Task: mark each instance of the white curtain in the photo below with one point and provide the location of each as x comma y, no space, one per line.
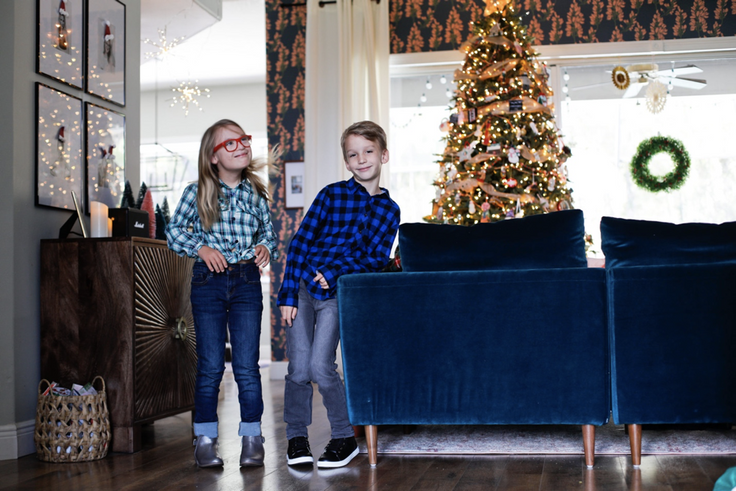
322,130
364,51
347,80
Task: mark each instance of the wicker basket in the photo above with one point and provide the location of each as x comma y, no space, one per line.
72,428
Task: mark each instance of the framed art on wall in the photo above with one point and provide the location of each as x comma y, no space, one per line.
105,155
106,50
59,169
294,184
59,39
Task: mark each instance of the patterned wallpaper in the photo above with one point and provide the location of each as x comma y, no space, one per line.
435,25
285,46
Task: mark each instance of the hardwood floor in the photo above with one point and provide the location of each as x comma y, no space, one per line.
166,462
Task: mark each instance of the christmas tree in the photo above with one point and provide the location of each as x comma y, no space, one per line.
141,196
127,201
147,205
503,156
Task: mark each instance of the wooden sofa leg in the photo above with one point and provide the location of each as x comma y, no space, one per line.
371,437
635,442
589,444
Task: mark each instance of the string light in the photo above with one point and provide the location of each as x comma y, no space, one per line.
164,46
188,93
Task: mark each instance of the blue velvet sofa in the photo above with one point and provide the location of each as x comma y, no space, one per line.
672,320
498,323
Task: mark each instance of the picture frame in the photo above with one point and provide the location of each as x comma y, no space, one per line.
60,39
106,50
59,165
77,215
293,185
105,155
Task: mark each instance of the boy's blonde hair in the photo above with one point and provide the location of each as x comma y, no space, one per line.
208,187
368,130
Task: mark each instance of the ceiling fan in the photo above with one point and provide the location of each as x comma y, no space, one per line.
634,77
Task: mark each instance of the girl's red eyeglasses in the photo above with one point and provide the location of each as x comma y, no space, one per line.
232,144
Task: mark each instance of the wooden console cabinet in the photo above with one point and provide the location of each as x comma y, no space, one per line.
119,308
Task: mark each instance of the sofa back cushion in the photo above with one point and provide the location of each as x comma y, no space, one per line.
648,243
552,240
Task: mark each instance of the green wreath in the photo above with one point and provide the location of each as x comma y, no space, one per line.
640,164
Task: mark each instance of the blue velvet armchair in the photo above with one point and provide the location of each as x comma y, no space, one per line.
672,319
499,323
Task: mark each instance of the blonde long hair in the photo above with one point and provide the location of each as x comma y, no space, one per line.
208,188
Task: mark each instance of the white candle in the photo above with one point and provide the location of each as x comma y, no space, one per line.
98,219
109,227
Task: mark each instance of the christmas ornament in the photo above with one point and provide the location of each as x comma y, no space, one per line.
465,153
656,96
513,156
551,184
620,78
640,164
485,215
511,182
471,207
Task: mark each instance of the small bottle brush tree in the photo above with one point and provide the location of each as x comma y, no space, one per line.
503,156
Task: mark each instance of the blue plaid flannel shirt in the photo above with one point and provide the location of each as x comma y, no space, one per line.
346,230
245,222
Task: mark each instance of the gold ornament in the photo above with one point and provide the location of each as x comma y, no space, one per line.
620,78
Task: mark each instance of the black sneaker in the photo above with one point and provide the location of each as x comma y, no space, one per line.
299,452
338,453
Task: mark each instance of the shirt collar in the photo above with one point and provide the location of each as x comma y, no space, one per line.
354,186
243,184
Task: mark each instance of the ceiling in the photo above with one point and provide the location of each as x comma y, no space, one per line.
213,52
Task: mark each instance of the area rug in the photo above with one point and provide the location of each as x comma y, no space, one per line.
542,439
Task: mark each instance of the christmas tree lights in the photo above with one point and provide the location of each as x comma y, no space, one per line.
503,156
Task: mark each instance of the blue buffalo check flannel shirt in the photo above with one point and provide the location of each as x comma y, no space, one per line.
346,230
245,222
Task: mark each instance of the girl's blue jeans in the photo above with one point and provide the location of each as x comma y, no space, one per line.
231,300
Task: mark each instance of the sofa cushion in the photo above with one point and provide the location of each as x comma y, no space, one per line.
553,240
647,243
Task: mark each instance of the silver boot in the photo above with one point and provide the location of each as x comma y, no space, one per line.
252,453
205,452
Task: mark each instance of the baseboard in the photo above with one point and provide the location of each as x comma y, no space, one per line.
16,440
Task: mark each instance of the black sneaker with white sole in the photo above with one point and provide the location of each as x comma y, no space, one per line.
299,452
338,453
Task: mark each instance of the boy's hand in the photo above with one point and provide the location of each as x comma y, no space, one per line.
213,258
288,313
263,257
321,280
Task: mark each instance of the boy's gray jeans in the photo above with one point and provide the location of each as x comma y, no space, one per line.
311,345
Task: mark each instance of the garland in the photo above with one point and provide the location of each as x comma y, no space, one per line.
640,164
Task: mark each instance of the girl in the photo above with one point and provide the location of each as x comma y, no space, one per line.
223,220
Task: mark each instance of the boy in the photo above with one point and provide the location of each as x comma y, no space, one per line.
349,228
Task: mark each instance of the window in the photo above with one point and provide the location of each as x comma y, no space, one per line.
602,128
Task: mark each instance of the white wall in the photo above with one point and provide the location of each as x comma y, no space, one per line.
23,224
243,103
